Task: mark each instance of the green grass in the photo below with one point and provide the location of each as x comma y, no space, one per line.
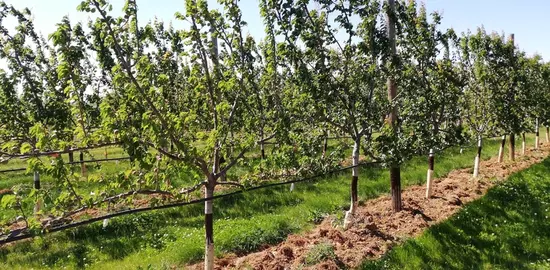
8,180
319,253
25,180
509,228
243,223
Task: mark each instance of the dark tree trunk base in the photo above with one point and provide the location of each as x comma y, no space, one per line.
36,180
395,178
354,180
431,162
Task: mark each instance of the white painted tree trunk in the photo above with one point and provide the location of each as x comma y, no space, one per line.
209,230
429,180
478,157
548,134
292,187
349,219
461,150
501,149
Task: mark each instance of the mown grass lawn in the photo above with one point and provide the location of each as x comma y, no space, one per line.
509,228
243,223
8,180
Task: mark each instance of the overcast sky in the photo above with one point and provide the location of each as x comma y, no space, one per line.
527,19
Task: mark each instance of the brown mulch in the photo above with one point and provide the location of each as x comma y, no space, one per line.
377,228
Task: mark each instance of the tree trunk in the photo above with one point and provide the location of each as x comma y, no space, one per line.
501,149
218,167
209,226
38,203
395,176
349,219
82,165
36,180
262,144
478,157
548,134
105,153
325,144
71,157
512,146
395,171
537,140
429,181
523,144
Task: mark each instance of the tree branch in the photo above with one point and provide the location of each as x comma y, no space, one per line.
134,81
230,184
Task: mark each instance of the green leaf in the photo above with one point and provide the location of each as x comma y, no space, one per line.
26,148
7,201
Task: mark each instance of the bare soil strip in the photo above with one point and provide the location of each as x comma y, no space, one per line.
377,228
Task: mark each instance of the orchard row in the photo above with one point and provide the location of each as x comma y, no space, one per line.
210,98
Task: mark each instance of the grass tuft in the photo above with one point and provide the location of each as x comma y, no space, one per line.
319,253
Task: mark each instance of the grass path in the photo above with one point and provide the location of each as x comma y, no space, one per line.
243,223
509,228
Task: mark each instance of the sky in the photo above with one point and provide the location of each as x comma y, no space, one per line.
527,19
